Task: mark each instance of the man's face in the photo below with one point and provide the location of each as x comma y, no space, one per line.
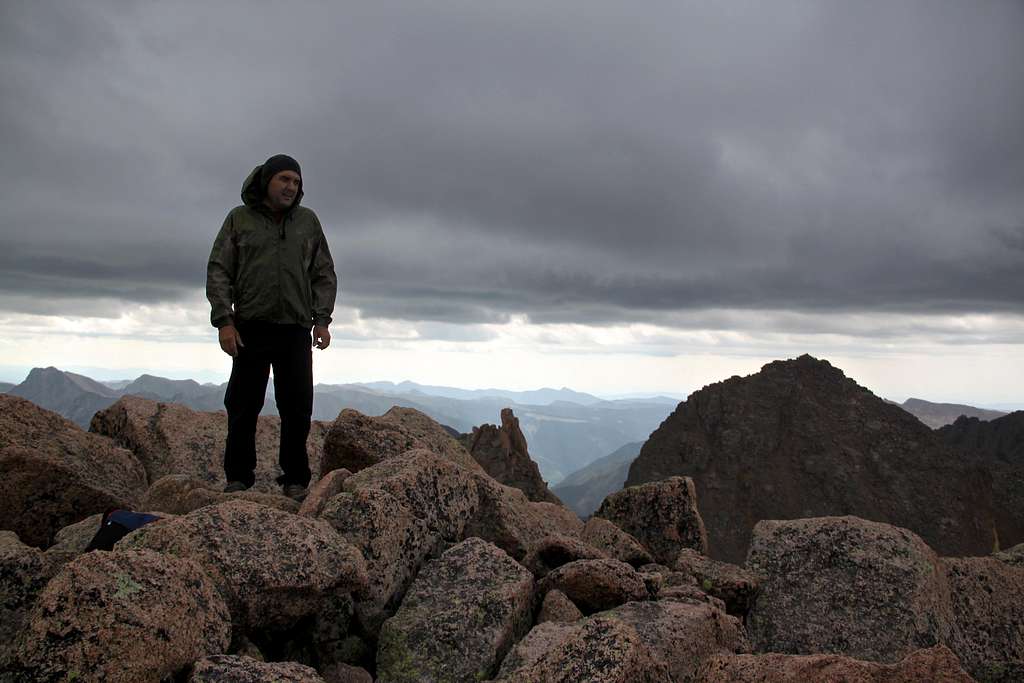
282,190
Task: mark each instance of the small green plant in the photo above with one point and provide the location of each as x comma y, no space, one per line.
707,584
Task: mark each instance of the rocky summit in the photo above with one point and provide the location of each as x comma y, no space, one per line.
998,446
800,439
409,561
503,453
169,438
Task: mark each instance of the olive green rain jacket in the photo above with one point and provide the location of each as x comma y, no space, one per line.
260,270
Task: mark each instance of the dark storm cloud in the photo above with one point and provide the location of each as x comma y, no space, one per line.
583,162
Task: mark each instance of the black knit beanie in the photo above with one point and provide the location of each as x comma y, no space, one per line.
276,164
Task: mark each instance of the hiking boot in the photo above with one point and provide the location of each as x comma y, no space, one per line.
234,486
296,492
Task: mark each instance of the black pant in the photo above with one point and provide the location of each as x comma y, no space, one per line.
288,348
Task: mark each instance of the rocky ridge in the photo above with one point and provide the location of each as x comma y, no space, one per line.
584,489
504,455
998,446
800,439
169,438
418,566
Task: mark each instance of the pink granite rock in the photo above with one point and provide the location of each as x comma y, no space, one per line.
506,518
600,649
393,541
680,635
832,585
554,550
356,441
73,539
272,567
123,616
180,494
988,615
433,488
459,618
52,473
557,607
735,586
596,585
232,669
169,438
331,484
637,641
346,673
616,543
921,666
662,515
690,595
24,571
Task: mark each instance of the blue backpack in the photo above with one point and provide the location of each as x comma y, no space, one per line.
115,525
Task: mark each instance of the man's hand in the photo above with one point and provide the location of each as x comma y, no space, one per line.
321,337
230,341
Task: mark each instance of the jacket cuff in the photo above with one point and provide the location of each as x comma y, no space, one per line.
223,321
322,322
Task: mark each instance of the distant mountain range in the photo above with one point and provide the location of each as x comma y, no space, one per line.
537,397
565,429
76,397
585,489
577,439
937,415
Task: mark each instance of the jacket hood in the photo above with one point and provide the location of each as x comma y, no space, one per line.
253,192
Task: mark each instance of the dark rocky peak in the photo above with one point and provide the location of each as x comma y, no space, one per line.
801,395
504,454
998,446
800,439
1000,439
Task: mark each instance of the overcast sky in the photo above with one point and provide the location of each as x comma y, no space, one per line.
684,189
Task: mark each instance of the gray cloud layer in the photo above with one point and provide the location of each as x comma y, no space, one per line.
586,162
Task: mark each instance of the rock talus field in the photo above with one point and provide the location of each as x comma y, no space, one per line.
409,560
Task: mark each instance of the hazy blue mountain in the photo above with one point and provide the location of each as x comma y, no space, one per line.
6,386
76,397
539,397
673,399
585,489
563,435
937,415
175,390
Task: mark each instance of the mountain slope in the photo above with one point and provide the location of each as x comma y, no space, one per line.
799,439
936,415
76,397
585,489
999,446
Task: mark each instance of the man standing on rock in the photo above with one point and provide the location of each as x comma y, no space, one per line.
269,280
